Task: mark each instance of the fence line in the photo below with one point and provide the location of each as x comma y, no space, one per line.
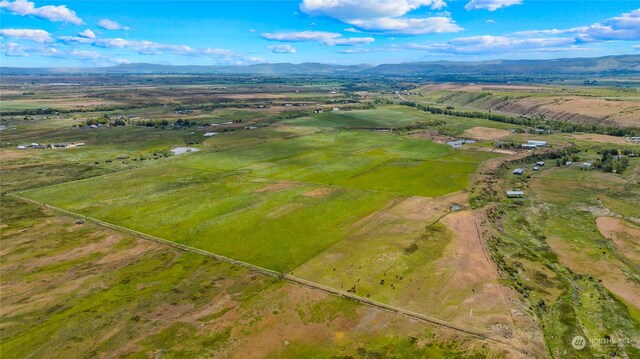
272,273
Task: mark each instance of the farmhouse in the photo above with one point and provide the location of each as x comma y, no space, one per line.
515,194
518,171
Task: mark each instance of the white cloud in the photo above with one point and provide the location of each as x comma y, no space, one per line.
300,36
58,13
154,48
327,38
365,9
491,5
383,16
13,49
636,47
405,26
488,44
491,21
351,41
351,29
623,27
40,36
282,49
111,25
86,55
88,34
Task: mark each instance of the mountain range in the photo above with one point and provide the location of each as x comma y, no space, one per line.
621,64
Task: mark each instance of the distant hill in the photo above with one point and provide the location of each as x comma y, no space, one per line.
624,64
141,68
608,64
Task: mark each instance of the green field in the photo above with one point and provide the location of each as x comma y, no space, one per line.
235,202
392,116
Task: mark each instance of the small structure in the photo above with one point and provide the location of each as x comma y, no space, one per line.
528,146
518,171
79,221
22,147
209,134
59,145
537,143
515,194
540,163
535,168
633,139
459,143
568,163
586,165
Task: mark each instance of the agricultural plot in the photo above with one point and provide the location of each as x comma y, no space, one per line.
88,291
407,255
266,204
392,116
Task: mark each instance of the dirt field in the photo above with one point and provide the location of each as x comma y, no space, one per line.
625,236
485,133
445,274
611,272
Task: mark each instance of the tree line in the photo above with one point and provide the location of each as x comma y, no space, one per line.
560,126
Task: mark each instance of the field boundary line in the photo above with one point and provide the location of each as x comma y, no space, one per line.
271,273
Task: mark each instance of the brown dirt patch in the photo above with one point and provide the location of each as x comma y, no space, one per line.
611,272
625,236
7,155
278,186
432,135
320,192
465,270
486,133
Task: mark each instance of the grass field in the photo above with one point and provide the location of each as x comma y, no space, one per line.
87,291
266,204
392,116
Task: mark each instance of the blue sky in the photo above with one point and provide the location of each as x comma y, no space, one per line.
102,33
